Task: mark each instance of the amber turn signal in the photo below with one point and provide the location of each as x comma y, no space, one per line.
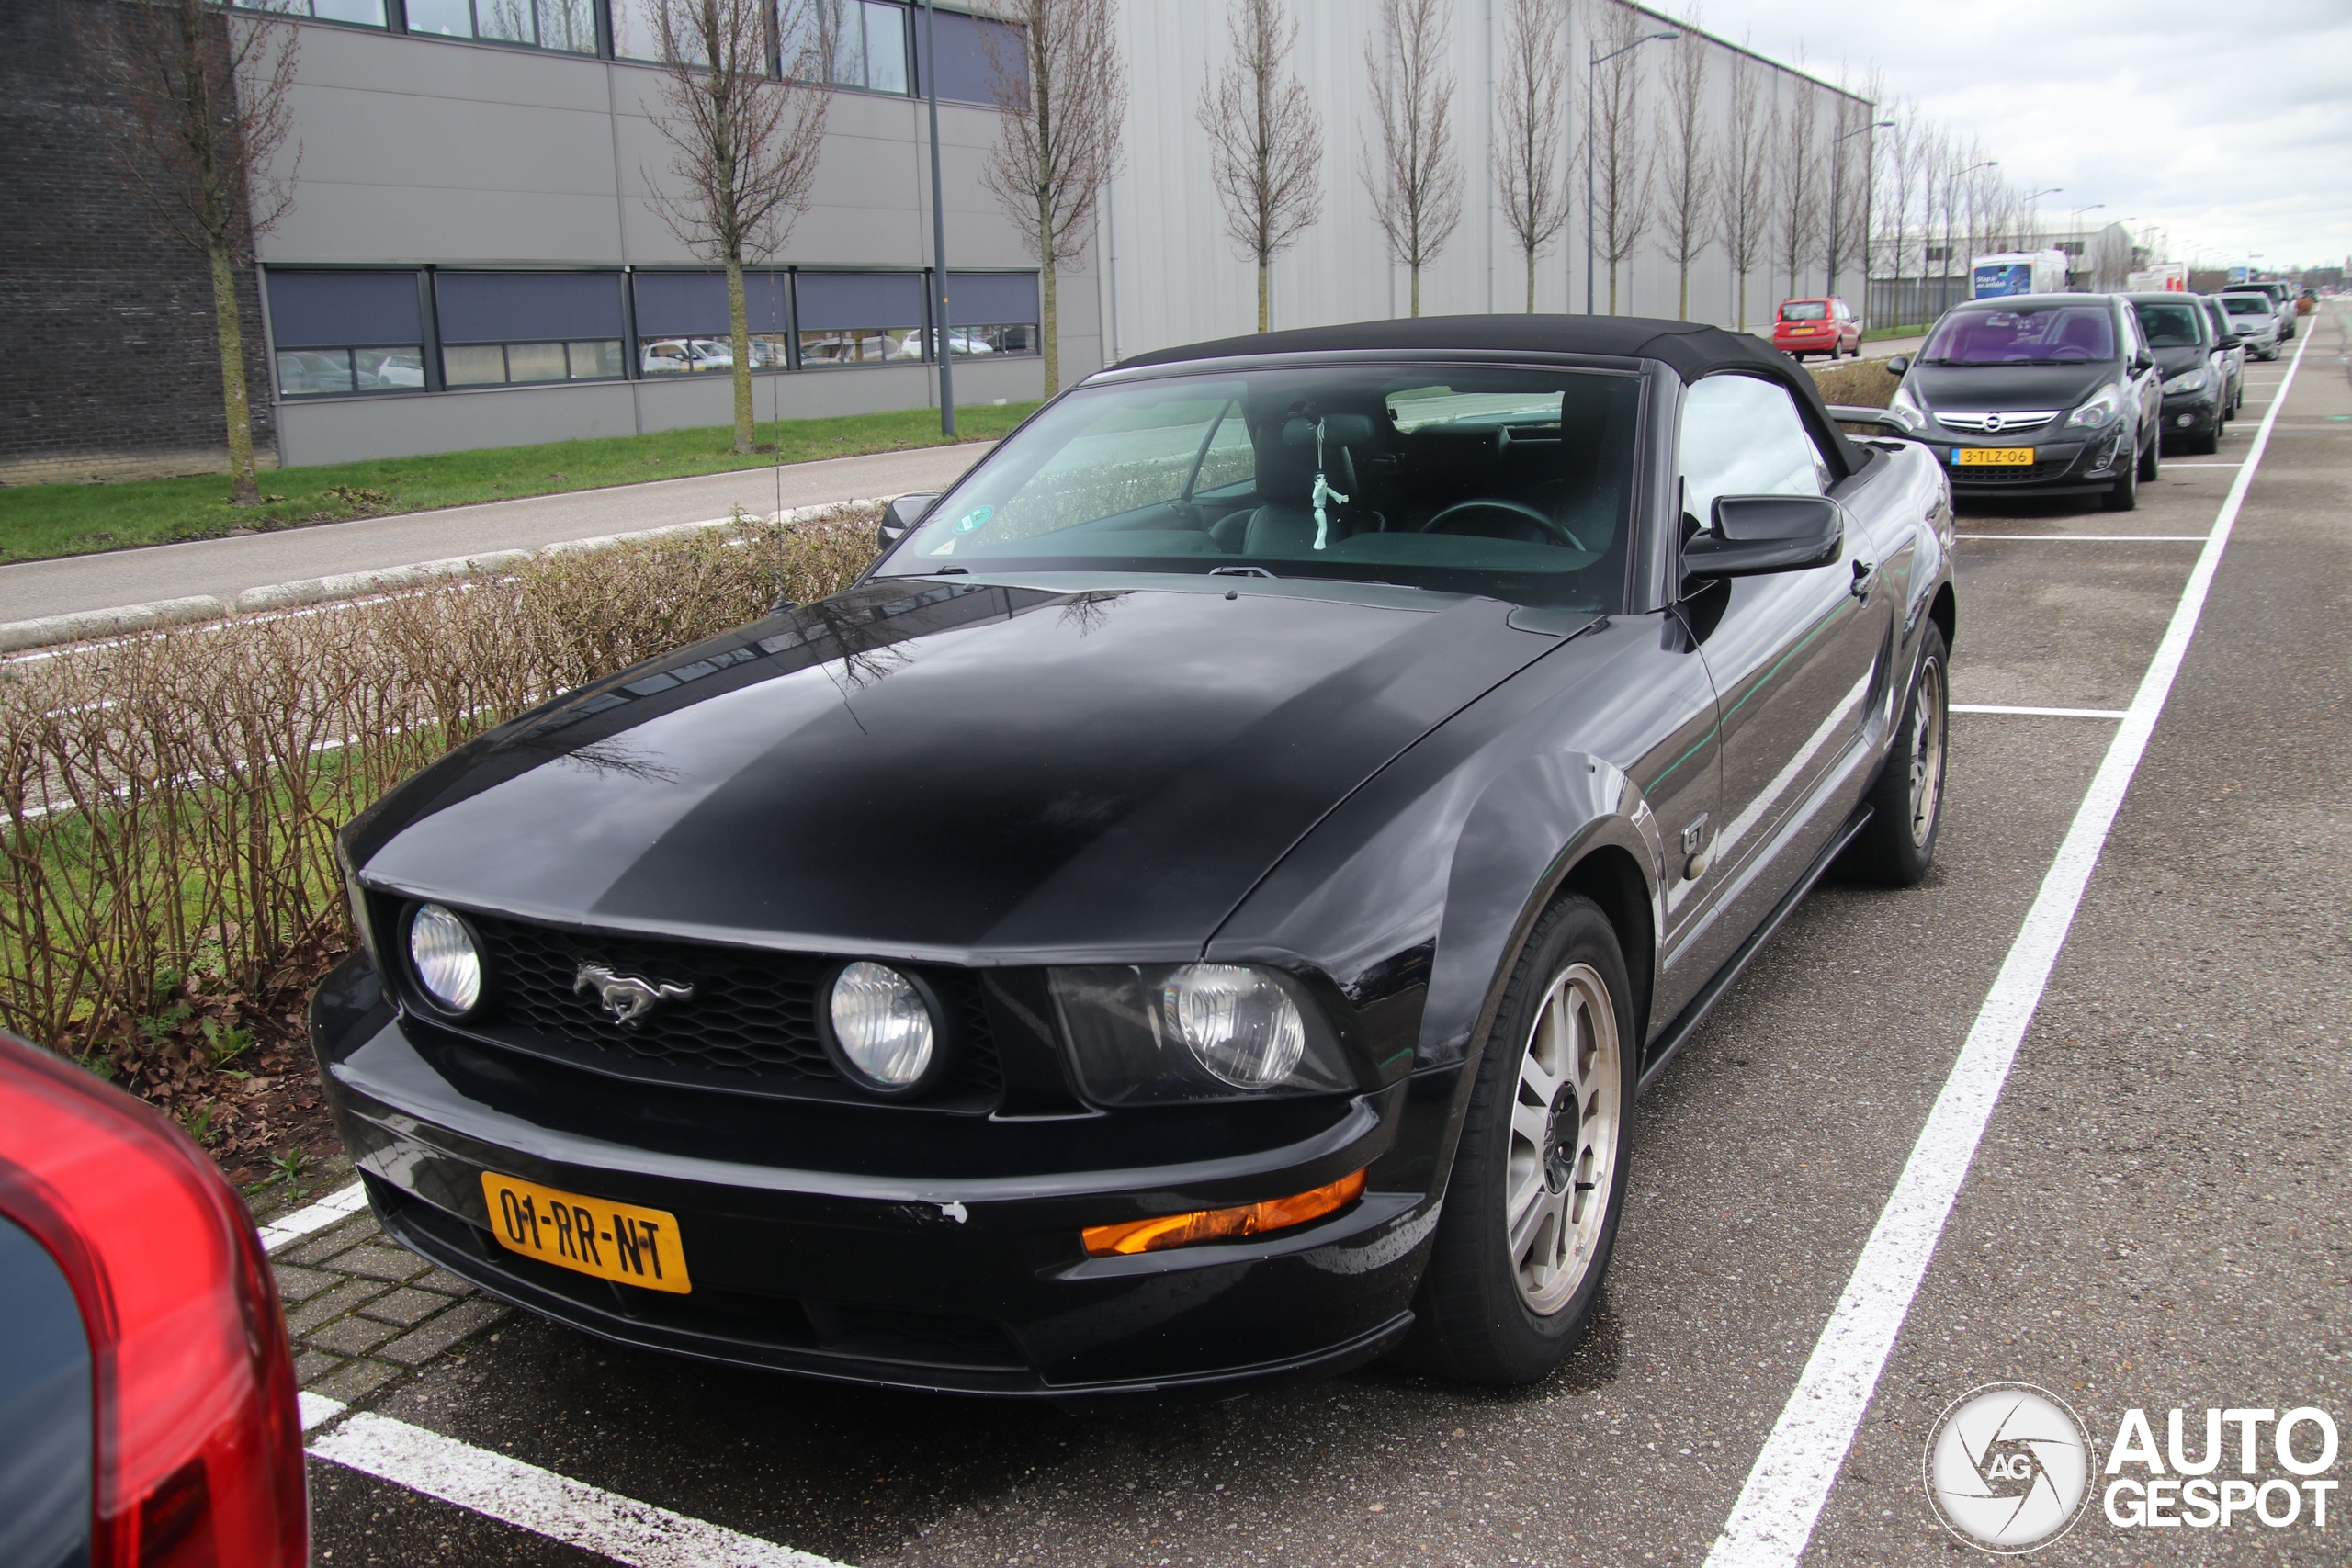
1220,1224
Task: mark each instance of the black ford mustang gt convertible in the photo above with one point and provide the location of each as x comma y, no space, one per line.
1199,909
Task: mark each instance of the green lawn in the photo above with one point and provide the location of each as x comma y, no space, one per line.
41,521
1878,335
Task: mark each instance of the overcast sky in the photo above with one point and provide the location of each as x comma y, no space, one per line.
2228,125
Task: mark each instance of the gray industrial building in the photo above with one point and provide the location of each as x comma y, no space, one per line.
474,256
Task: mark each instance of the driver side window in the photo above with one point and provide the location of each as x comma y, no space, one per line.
1742,436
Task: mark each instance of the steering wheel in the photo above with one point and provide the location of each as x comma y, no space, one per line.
1517,509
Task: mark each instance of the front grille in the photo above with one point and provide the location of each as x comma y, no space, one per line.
749,1024
1998,423
1974,474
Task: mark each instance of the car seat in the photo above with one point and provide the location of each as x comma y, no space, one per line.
1282,524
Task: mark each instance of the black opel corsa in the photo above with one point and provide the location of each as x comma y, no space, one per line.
1200,909
2043,394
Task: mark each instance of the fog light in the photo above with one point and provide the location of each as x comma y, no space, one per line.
1237,1023
1220,1224
883,1034
448,966
2185,420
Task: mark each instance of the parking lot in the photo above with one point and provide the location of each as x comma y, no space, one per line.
2154,1216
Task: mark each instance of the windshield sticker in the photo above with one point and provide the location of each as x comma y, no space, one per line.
976,518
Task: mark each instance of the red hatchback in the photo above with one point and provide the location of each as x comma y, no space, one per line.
1816,326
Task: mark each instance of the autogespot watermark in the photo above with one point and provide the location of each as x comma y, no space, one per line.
2010,1468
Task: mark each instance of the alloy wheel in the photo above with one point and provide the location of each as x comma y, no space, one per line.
1927,738
1567,1118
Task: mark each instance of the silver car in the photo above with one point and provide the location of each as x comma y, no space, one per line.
2255,320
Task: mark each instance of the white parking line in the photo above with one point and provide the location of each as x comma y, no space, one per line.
333,1209
2040,713
2093,538
1799,1462
2176,463
538,1500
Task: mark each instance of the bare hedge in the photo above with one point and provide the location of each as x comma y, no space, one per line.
171,799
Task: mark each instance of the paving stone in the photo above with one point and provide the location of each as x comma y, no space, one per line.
420,1346
351,1335
298,1284
404,1306
379,1261
354,1379
317,1249
312,1365
441,1280
332,1304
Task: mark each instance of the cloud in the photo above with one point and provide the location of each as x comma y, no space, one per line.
2229,127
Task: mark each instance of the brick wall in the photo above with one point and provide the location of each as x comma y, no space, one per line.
105,325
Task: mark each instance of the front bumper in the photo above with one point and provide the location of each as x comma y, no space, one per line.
2074,463
2189,413
888,1246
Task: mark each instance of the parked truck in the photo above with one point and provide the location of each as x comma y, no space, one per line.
2019,272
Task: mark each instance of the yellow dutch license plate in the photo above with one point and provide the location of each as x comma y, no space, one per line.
1994,457
589,1236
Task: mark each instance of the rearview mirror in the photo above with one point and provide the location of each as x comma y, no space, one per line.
902,514
1758,534
1899,365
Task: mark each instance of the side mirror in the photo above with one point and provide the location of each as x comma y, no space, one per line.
1899,365
2142,365
900,516
1754,535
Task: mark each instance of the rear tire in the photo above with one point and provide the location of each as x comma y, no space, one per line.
1539,1179
1907,801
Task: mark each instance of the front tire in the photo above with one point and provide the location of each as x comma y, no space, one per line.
2125,493
1539,1179
1907,801
2151,452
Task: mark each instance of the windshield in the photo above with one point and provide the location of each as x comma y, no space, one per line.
2045,334
1803,311
1515,484
2170,326
2245,305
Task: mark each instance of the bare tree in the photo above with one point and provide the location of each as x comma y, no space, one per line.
1894,162
1686,172
1619,163
1801,179
1845,234
1265,142
1061,92
746,144
1413,176
1531,109
196,115
1743,180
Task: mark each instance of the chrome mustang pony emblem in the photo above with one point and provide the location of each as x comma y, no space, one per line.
625,996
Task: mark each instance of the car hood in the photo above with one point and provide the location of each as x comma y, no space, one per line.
2180,361
944,772
1985,389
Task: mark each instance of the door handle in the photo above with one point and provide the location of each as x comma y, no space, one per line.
1865,579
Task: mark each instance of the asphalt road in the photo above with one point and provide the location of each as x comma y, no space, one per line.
2155,1215
225,568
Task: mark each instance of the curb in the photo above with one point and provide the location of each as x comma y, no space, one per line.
84,625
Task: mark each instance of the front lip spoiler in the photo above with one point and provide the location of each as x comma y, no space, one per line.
615,1329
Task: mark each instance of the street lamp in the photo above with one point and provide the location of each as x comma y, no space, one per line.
1592,76
941,345
1837,146
2030,198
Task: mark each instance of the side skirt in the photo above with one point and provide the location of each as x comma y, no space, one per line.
1686,1022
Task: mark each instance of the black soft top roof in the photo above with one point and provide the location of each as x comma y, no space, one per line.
1691,349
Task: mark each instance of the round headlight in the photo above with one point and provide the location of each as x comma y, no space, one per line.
1236,1021
883,1031
447,964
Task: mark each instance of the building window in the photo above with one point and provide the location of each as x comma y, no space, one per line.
566,24
851,43
345,332
972,50
859,317
992,312
508,328
363,13
683,327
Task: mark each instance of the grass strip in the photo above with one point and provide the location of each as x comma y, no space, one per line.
42,521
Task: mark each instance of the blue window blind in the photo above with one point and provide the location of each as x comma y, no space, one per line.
330,310
833,299
991,298
694,304
527,307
